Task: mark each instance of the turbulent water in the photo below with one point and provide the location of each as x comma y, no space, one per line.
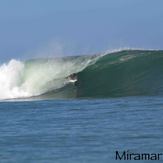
121,73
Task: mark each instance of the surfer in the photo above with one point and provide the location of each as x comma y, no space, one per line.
72,78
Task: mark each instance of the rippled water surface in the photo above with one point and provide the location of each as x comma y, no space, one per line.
67,131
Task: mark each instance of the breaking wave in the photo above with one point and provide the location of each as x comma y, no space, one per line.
122,73
35,77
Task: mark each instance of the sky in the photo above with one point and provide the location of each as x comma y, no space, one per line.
42,28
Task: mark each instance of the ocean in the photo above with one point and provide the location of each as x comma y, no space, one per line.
115,105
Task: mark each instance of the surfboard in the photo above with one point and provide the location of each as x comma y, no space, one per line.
72,80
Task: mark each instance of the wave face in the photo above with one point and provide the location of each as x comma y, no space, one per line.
122,73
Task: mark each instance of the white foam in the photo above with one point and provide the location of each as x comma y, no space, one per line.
10,79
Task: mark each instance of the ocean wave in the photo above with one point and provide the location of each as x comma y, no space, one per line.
119,73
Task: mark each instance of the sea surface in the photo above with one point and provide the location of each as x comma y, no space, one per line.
79,130
116,104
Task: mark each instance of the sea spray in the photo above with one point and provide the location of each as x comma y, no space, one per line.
11,75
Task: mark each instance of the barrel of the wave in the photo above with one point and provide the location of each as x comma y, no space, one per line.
124,73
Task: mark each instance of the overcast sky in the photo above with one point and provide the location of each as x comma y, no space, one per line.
46,27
